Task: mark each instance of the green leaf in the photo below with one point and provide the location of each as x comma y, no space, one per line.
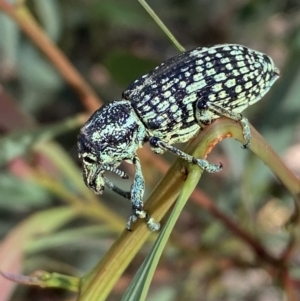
9,42
50,15
75,237
18,194
16,144
13,245
39,79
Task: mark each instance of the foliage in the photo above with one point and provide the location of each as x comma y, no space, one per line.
237,238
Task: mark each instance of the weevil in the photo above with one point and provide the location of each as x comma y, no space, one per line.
168,105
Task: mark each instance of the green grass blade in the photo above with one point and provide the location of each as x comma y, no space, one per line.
139,287
161,25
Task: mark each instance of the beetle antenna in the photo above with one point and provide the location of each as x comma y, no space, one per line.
119,172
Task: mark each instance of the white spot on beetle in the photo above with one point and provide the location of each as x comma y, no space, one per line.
230,83
235,72
182,84
209,65
189,99
167,85
197,77
155,101
199,69
244,70
172,99
164,80
167,94
217,87
195,52
238,89
229,66
162,106
210,72
240,57
225,60
241,64
184,69
174,108
212,51
212,97
222,94
220,77
248,85
195,86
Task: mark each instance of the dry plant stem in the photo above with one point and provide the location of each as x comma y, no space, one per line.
102,278
289,287
234,227
273,161
90,210
45,279
290,248
262,150
22,16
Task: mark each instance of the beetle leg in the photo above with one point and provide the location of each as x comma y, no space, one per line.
155,142
137,193
113,187
234,116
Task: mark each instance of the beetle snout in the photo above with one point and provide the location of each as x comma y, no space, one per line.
97,184
96,189
93,178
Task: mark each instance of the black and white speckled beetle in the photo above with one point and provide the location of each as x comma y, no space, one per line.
168,105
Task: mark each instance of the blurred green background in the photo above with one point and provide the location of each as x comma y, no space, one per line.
111,43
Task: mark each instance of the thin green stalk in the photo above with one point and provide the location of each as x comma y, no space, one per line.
139,286
161,25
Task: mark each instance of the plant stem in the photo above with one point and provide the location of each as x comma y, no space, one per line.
22,16
161,25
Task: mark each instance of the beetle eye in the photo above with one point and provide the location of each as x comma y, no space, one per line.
89,160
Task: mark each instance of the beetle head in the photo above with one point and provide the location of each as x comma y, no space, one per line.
112,134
